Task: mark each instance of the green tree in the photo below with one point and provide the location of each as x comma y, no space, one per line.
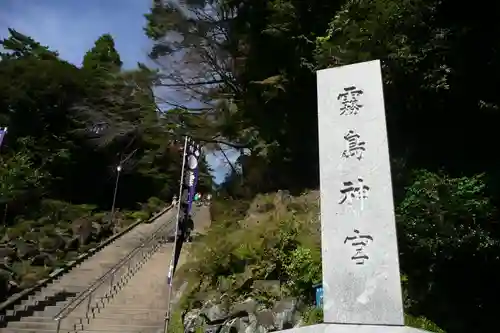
103,55
19,45
20,181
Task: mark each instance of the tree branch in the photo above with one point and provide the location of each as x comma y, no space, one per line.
192,84
224,142
227,159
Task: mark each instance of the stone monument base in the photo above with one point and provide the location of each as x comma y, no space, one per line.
344,328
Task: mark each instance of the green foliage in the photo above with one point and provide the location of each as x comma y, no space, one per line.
440,212
303,267
18,177
103,55
422,323
313,315
445,223
69,128
140,216
19,45
243,247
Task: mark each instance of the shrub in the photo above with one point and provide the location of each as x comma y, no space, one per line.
423,323
155,204
139,215
262,244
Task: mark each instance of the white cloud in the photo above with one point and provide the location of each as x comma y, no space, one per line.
219,163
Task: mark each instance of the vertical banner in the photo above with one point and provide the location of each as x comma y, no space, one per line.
191,174
3,132
188,184
186,192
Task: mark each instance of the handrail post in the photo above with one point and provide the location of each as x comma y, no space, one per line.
165,323
58,328
111,280
89,302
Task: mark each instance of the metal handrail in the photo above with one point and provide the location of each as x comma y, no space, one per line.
87,293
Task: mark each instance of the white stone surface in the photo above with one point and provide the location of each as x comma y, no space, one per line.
340,328
360,287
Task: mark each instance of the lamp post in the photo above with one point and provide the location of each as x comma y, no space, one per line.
3,133
118,171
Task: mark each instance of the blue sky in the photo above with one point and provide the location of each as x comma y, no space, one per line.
71,27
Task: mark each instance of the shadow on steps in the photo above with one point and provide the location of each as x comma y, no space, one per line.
38,306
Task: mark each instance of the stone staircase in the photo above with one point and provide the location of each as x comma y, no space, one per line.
35,314
141,305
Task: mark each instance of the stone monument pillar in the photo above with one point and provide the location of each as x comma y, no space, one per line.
361,281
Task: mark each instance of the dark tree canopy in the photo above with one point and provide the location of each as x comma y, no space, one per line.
68,130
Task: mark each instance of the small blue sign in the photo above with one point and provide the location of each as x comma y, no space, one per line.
319,295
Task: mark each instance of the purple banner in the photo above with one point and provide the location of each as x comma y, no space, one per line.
3,131
192,189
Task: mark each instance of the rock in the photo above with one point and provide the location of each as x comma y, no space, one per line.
215,312
73,244
24,249
299,323
7,254
7,251
282,197
234,325
42,259
52,243
265,319
254,325
83,229
244,317
284,313
269,287
192,320
213,329
248,306
102,231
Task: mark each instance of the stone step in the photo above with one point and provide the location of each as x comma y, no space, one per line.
110,326
66,325
141,304
37,311
109,330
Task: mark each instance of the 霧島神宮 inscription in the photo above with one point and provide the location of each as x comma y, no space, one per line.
354,190
349,100
350,105
361,282
359,242
355,146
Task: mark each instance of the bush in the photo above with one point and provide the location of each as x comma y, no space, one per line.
422,323
139,215
312,315
264,244
155,204
57,211
46,233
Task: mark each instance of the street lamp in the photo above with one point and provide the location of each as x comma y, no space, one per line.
118,170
